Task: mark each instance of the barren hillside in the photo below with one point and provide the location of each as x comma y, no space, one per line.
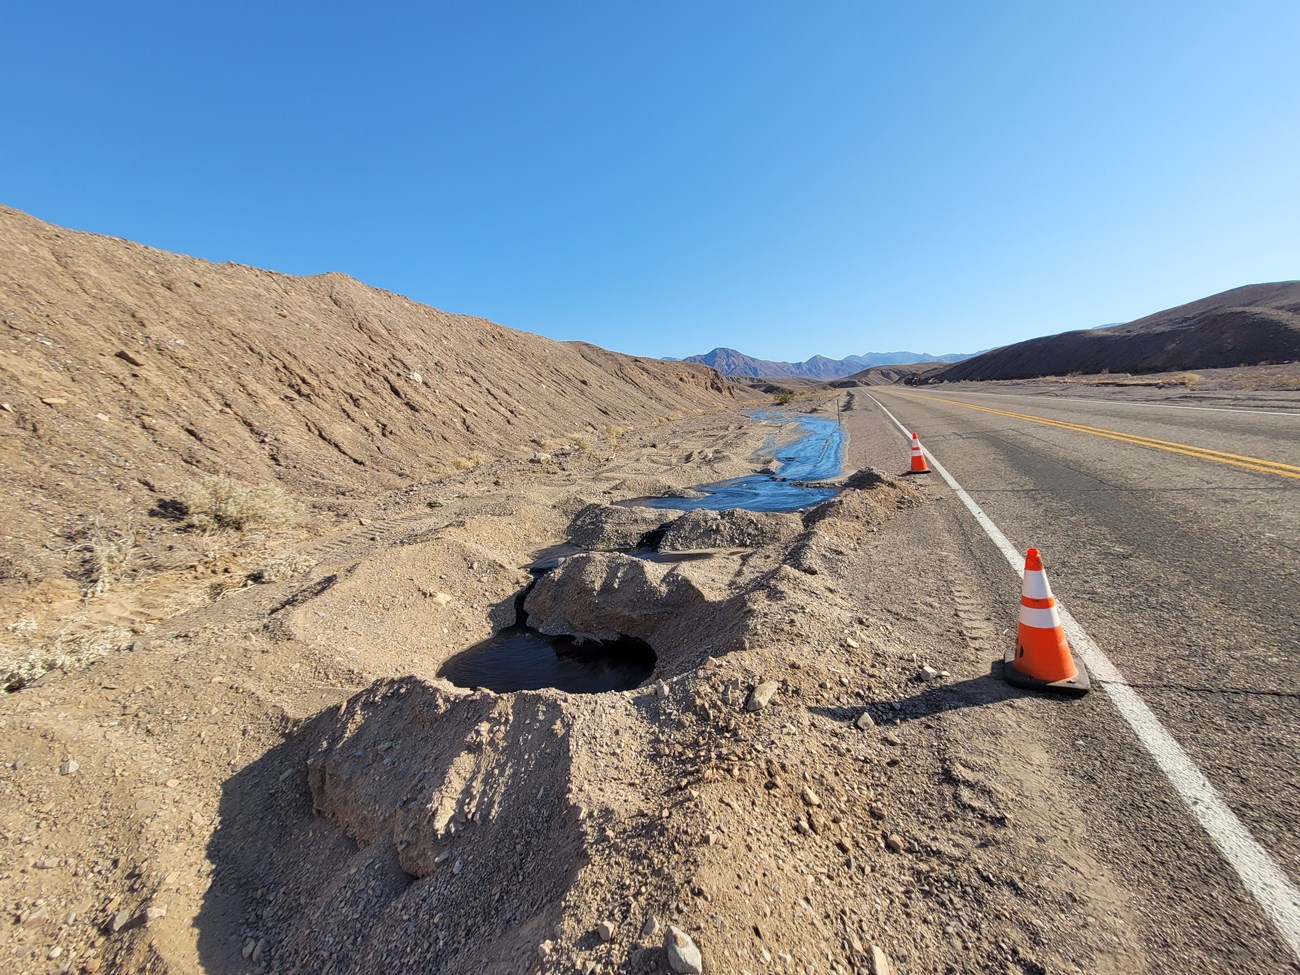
887,375
1255,324
126,372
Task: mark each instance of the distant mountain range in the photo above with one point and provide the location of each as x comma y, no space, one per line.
729,362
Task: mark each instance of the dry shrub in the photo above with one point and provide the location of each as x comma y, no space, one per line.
219,503
111,554
25,657
283,569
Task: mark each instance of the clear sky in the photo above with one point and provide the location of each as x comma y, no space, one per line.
785,178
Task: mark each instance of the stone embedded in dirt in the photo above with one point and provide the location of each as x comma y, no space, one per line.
606,930
864,721
69,767
928,673
683,956
53,400
154,913
761,696
876,812
651,928
879,962
894,843
810,797
120,920
129,358
851,643
441,599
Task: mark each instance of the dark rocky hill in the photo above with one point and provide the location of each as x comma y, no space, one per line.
1251,325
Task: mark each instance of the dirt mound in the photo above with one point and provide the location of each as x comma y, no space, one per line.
129,372
612,526
1256,324
703,529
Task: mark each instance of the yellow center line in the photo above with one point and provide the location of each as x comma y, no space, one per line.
1203,453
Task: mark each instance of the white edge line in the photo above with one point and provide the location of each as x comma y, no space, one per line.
1259,872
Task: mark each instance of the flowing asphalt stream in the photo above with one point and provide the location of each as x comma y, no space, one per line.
1183,565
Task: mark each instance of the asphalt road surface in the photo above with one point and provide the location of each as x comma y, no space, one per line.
1173,536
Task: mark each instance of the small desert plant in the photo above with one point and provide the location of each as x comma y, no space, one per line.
1185,379
614,431
110,555
783,398
284,568
24,658
469,462
219,503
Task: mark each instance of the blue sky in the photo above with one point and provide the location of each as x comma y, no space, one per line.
783,178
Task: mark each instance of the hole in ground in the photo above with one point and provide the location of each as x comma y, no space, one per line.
522,659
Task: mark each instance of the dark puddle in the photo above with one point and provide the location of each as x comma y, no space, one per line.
817,455
521,659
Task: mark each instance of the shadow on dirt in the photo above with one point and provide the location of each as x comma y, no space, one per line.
265,820
934,699
402,867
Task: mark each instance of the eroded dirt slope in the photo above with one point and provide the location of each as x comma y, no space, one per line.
127,371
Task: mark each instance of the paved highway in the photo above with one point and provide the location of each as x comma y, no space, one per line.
1173,536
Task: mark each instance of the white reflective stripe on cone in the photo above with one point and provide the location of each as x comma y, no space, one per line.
1042,619
1036,585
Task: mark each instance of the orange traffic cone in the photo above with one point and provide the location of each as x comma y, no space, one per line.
919,466
1041,659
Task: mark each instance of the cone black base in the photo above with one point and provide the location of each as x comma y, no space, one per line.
1076,686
